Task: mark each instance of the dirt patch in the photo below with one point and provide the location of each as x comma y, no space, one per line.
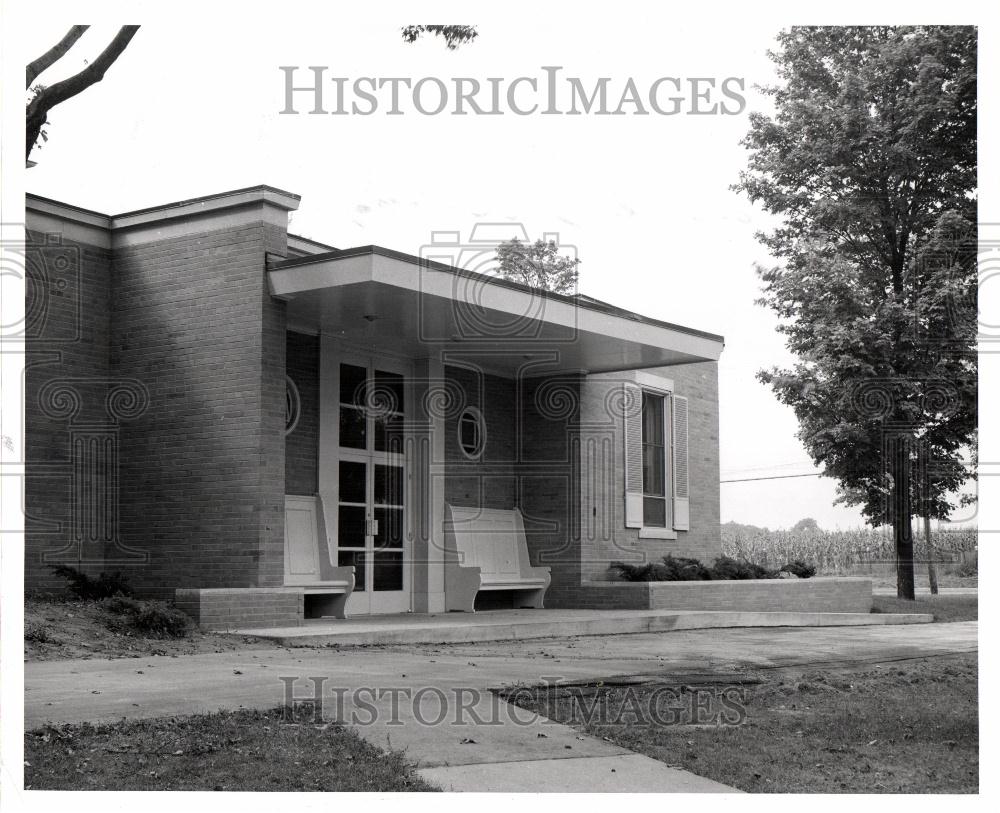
63,629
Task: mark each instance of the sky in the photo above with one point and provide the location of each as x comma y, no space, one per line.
644,201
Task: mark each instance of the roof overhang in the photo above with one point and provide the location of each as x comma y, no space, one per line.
395,302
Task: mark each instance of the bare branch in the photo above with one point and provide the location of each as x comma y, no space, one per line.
55,53
58,93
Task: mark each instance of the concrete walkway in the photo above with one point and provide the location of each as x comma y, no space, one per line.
524,625
433,701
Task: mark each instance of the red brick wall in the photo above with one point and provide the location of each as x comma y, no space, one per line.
67,334
203,469
549,474
489,482
302,445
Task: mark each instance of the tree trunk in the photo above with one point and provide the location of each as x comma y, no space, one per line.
902,526
931,556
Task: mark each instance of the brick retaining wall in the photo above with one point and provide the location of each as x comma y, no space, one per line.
226,608
823,594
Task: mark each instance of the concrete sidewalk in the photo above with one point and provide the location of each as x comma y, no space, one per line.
525,625
406,688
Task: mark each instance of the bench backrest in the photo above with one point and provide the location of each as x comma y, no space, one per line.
489,538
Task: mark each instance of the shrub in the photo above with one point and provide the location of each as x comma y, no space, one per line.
683,569
727,568
152,618
800,569
91,589
38,633
649,572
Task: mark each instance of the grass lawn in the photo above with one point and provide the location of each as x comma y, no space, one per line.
55,629
944,608
235,751
898,727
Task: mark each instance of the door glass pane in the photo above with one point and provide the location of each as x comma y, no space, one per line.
388,485
350,526
353,384
654,512
388,570
388,433
387,395
390,527
346,558
352,428
352,481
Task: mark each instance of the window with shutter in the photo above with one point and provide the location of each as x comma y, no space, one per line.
654,494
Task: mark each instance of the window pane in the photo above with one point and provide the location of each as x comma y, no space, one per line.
652,419
653,450
352,481
352,428
352,384
652,470
654,512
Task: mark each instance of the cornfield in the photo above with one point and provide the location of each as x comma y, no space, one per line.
837,551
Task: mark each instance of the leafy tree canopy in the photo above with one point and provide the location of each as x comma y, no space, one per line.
538,265
869,162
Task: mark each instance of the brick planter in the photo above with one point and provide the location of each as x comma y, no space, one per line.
825,594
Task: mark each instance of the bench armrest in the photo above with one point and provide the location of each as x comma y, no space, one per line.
345,574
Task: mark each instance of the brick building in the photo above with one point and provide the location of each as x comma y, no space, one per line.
221,408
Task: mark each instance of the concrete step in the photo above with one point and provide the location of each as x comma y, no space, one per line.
513,625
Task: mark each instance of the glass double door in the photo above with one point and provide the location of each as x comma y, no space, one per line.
372,477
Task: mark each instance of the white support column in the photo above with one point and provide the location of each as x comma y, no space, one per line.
427,484
329,428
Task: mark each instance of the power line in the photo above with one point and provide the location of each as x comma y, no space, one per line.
776,477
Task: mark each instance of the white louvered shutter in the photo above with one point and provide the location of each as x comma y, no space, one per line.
682,520
632,412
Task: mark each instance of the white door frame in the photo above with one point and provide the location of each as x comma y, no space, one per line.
364,600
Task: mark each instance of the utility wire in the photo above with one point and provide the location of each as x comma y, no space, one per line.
776,477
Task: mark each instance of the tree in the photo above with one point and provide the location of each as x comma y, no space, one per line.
806,525
45,98
538,265
454,35
870,164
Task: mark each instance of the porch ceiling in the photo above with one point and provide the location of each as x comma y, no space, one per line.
398,303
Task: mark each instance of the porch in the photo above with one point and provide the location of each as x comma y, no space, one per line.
414,385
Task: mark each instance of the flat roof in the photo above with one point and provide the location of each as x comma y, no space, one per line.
578,300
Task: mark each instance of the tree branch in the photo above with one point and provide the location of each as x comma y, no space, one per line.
58,93
54,54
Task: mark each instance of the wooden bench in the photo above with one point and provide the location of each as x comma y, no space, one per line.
307,560
486,550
